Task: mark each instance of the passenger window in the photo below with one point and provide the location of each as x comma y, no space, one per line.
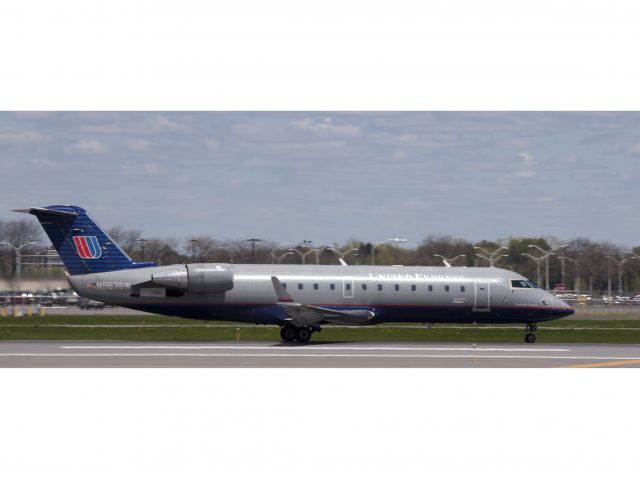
446,288
379,287
347,286
364,287
315,286
430,287
300,285
462,288
397,287
284,285
413,287
332,286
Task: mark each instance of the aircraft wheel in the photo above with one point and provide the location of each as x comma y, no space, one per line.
288,333
303,335
530,338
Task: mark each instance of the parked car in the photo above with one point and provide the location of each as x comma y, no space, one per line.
85,303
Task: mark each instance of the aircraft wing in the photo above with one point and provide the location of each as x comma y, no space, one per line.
306,315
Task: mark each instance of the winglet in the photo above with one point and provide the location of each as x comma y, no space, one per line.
281,293
343,262
446,263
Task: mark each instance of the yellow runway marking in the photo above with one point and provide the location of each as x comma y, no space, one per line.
605,365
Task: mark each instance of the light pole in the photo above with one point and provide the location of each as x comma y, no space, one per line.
278,259
310,249
396,242
576,281
17,250
545,256
142,241
373,252
609,281
490,256
253,242
17,280
342,254
274,257
449,261
193,248
303,255
538,260
620,263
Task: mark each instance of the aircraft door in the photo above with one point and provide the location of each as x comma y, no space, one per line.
482,296
347,288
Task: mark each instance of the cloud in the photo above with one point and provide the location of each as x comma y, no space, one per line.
32,115
164,123
46,163
20,137
213,145
138,144
399,154
145,126
326,125
328,165
527,159
153,169
264,163
87,146
525,171
524,174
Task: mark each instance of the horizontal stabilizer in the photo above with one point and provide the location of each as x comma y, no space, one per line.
33,211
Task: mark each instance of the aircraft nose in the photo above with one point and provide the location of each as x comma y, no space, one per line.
564,306
570,309
559,306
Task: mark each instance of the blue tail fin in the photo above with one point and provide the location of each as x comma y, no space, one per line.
82,245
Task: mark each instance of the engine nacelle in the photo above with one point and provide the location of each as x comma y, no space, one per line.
197,278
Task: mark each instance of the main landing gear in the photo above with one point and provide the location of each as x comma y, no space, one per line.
529,337
290,333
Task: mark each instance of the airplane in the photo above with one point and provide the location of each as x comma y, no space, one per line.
298,298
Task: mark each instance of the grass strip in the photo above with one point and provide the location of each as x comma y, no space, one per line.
151,328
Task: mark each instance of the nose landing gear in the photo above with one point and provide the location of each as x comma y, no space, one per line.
529,337
290,333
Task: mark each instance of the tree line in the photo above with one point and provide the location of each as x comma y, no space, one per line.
579,264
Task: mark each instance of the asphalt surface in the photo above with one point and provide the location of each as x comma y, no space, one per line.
79,354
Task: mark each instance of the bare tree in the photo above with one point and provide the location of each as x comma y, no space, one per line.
24,234
446,246
19,232
126,239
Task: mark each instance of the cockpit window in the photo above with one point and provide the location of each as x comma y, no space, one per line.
520,283
533,285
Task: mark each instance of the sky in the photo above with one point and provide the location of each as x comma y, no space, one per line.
331,176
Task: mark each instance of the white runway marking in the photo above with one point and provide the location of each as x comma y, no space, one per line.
308,355
327,348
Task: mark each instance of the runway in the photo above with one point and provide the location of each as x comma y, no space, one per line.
240,354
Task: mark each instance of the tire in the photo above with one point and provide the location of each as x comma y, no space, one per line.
303,335
288,333
530,338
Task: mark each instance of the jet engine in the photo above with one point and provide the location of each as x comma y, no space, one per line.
197,278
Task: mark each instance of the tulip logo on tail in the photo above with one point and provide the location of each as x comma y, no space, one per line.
87,247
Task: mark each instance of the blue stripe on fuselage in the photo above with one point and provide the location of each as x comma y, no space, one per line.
274,314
